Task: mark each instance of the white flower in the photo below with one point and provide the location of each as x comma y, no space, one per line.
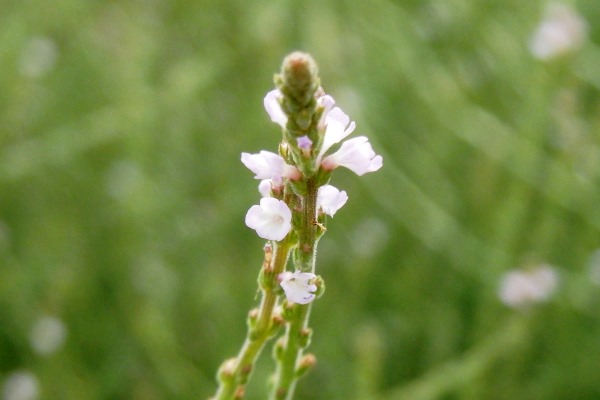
268,165
264,187
21,385
562,30
355,154
330,199
273,107
47,335
522,288
37,57
327,102
268,188
298,287
336,129
272,220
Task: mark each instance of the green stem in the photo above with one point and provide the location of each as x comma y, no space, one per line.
286,375
297,333
234,376
307,245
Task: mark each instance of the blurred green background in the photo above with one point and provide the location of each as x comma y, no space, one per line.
122,197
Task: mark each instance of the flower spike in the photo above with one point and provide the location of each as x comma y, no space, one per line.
292,215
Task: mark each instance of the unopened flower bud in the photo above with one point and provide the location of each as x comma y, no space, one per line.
305,336
307,362
252,318
278,349
240,392
276,323
227,370
268,249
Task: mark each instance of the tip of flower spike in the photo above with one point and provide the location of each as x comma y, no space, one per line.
299,75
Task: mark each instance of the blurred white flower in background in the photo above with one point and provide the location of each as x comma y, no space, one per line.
369,237
20,385
520,288
37,57
123,179
562,30
47,335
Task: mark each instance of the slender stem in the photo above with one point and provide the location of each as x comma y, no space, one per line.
297,334
307,245
233,379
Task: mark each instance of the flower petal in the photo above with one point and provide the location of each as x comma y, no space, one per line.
298,287
268,165
335,129
264,187
273,108
355,154
327,102
330,199
271,219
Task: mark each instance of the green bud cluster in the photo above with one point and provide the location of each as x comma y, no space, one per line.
299,83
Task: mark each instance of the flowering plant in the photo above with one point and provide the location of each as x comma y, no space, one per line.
291,215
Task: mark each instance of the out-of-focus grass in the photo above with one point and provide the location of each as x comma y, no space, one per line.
122,196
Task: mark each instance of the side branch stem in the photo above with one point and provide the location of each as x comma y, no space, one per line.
233,380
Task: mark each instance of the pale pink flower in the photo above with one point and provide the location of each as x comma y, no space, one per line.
272,219
298,286
268,165
355,154
521,288
562,30
337,127
327,102
21,385
330,199
264,187
47,335
273,106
